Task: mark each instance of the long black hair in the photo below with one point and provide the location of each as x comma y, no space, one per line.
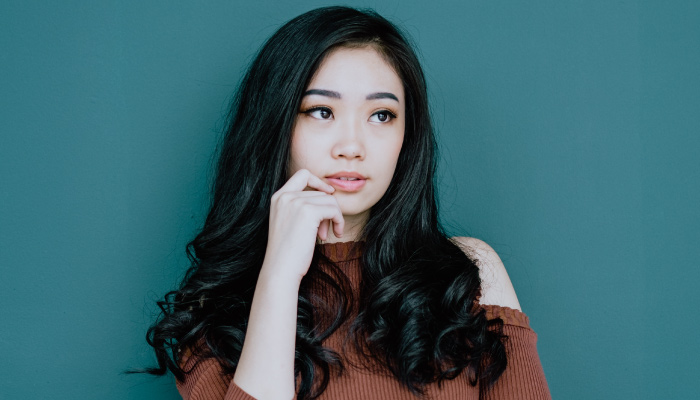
417,315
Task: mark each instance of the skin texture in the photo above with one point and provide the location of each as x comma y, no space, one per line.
351,133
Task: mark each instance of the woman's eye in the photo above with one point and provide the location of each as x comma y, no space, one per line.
320,112
382,116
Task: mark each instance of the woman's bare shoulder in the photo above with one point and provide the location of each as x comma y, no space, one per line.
496,288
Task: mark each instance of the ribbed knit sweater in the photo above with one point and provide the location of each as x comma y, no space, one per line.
523,378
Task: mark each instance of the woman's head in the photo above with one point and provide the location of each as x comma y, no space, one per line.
257,152
350,128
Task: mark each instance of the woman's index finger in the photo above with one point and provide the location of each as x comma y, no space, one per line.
303,179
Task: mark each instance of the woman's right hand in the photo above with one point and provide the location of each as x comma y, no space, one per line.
297,217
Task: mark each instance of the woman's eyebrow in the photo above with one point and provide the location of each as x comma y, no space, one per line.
336,95
382,95
323,92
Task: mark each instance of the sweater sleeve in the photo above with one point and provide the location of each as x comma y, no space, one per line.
206,381
523,378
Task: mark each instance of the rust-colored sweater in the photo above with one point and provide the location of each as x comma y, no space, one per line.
523,379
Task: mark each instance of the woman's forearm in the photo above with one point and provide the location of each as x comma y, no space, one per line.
297,218
266,367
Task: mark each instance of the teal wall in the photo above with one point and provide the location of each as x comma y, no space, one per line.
569,133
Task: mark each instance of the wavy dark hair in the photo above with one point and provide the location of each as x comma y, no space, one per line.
417,313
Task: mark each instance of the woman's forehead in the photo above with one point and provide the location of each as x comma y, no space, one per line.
357,72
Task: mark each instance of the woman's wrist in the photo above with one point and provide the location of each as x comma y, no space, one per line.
281,272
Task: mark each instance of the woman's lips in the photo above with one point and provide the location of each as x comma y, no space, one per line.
351,181
347,185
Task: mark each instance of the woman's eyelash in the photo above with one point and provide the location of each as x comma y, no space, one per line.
313,109
316,108
391,114
319,112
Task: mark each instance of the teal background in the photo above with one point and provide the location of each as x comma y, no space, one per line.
569,136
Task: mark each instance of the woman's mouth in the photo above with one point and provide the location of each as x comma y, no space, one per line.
347,182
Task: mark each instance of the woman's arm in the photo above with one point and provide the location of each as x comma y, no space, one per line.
524,377
266,366
297,216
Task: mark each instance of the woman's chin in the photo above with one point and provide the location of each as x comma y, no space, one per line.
353,212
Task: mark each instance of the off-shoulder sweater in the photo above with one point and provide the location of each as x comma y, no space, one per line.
523,378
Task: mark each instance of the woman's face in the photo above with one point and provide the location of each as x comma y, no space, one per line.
350,127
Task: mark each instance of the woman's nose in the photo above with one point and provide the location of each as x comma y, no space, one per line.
350,143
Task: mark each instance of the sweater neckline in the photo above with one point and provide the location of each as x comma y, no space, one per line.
342,251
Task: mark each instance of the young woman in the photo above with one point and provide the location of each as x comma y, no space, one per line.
321,269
